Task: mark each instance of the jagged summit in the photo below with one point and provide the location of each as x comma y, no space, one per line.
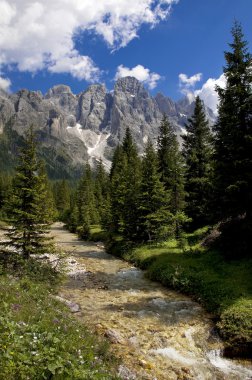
87,126
58,90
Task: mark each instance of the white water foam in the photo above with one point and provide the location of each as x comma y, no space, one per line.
173,354
227,366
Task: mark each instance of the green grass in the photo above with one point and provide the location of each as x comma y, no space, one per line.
97,233
40,338
223,287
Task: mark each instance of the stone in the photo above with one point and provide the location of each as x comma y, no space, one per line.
114,336
125,373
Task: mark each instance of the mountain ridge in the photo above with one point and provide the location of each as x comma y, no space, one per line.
75,128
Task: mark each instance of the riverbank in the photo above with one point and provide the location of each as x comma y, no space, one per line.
156,332
224,288
39,337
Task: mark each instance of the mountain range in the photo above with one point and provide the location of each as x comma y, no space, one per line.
73,129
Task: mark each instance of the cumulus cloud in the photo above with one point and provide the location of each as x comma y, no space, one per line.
188,82
139,72
36,35
5,84
208,94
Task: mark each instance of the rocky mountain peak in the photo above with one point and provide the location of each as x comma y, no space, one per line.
95,88
130,85
58,91
87,126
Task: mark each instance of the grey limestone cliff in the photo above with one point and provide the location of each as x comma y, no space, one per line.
75,128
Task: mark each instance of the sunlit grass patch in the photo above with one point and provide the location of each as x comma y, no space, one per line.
40,339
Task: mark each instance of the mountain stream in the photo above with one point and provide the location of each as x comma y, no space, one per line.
156,333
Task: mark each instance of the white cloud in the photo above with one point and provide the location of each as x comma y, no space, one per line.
185,81
139,72
5,84
36,35
187,84
208,94
80,67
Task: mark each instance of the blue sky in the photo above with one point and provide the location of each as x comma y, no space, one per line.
43,43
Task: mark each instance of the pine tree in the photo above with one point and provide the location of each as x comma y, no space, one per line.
102,194
117,188
197,151
86,203
132,186
233,142
171,168
233,145
125,183
47,204
62,195
5,189
155,218
28,207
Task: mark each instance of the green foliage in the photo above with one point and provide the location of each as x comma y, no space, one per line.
236,326
62,198
5,191
125,185
155,218
197,151
87,211
233,142
39,339
29,206
102,194
171,166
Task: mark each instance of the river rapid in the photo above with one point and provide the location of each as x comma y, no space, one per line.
155,332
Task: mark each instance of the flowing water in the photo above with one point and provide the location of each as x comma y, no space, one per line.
155,332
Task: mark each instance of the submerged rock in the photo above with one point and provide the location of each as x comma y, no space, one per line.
114,336
125,373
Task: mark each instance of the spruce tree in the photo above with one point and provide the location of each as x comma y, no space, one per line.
125,183
62,195
132,186
197,152
171,168
102,194
117,188
233,143
28,207
86,203
155,218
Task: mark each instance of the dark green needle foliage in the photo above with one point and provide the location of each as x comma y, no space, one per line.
86,203
125,184
233,144
171,169
28,206
197,152
155,218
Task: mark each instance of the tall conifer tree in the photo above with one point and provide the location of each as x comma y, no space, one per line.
171,166
125,182
233,141
155,218
197,151
28,207
233,144
86,203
